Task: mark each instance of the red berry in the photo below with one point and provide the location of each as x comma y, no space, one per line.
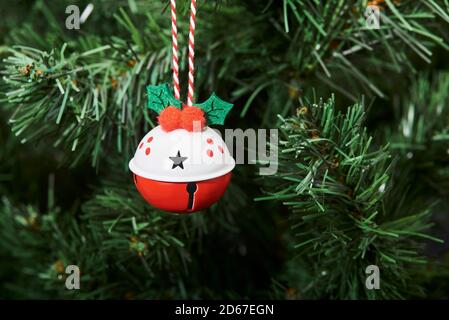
192,118
170,118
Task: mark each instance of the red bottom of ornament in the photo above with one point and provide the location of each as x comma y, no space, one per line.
182,197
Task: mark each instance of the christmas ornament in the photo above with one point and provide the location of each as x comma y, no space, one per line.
182,165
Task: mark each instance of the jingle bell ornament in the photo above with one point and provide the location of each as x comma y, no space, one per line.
182,165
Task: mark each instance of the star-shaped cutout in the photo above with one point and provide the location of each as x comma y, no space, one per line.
178,160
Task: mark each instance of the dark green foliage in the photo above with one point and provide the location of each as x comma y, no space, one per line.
354,187
337,184
422,137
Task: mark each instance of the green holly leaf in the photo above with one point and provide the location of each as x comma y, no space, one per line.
215,109
160,97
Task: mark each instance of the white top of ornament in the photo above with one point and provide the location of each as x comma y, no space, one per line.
181,156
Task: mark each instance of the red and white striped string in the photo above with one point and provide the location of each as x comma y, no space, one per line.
191,79
174,34
190,92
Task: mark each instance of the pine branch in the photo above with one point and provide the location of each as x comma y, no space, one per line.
421,139
344,216
41,246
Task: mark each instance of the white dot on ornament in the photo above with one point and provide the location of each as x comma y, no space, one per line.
324,272
409,155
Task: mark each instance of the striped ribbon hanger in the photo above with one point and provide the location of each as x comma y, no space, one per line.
175,60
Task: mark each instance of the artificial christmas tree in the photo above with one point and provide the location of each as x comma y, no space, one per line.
362,170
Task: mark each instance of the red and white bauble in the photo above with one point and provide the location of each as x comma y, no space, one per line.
182,165
180,170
